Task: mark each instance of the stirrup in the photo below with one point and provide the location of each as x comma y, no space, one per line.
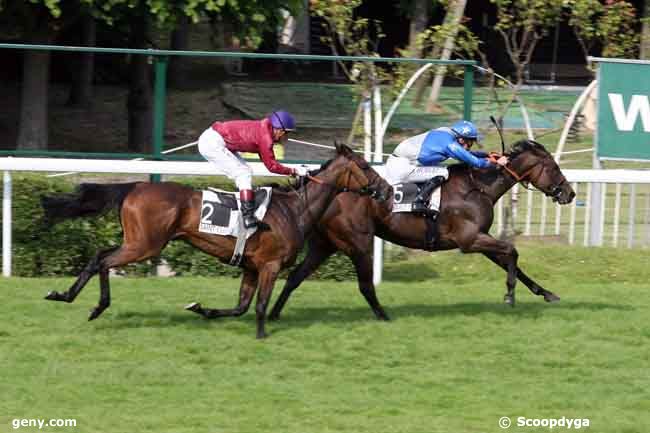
250,221
253,222
419,207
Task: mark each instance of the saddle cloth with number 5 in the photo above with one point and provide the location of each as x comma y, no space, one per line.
220,211
404,195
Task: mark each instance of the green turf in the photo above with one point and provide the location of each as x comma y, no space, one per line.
454,359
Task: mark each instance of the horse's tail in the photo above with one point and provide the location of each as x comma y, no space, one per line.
89,199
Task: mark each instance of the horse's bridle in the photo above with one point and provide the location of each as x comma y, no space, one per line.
526,178
366,190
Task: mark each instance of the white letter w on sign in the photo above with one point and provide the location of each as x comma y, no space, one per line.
625,119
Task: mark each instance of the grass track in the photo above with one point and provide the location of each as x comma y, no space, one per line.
454,359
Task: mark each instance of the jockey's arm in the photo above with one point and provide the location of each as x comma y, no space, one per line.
268,158
458,152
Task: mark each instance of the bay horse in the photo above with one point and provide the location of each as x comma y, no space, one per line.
466,214
152,214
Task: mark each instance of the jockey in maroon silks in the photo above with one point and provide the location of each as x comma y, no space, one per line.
221,143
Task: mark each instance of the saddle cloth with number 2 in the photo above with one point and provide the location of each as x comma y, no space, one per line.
220,211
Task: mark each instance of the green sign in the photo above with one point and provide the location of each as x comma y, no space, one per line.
623,109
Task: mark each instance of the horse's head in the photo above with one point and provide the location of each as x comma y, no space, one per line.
350,172
532,163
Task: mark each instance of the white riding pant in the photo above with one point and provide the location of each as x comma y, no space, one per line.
401,170
213,148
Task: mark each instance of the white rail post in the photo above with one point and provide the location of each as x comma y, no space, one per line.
378,243
529,212
6,224
572,219
617,214
596,233
630,218
585,240
558,218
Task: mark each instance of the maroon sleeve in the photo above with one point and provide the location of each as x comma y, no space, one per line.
268,158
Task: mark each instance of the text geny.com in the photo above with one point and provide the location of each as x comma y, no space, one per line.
40,423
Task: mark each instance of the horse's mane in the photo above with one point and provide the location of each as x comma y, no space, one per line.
525,145
484,176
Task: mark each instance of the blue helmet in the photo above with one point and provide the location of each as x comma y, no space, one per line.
282,120
465,129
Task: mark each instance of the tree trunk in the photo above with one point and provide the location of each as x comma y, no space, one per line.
81,89
139,102
419,21
179,41
453,19
33,133
645,32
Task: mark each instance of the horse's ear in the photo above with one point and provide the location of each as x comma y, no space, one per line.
342,148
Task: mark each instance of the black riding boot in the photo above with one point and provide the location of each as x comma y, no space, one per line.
420,204
247,197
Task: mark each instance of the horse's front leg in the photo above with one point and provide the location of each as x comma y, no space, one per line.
319,251
268,275
246,292
486,244
363,266
532,285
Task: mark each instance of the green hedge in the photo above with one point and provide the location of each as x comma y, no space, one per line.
65,248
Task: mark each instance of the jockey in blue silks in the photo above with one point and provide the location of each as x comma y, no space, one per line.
417,159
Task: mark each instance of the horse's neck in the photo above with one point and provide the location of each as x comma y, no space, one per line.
313,201
496,189
502,185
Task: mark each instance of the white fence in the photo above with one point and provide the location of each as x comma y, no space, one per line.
612,206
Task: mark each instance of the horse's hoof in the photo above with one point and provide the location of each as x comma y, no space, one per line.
510,300
261,335
274,317
94,313
194,306
54,296
551,297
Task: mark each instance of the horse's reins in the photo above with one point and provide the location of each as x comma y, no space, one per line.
520,178
361,191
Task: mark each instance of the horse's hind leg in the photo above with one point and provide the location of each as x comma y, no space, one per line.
246,292
104,294
319,251
115,258
86,274
363,266
532,285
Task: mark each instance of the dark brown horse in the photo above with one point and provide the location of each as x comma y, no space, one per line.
465,218
153,214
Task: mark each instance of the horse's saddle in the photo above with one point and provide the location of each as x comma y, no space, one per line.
404,195
220,211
